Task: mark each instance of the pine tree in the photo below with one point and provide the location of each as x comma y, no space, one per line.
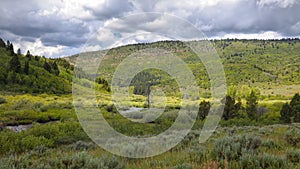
55,68
28,55
11,49
286,113
47,67
251,107
26,67
203,109
7,44
2,43
14,64
229,108
295,106
19,52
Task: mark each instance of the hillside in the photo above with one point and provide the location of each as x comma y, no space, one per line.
33,74
270,65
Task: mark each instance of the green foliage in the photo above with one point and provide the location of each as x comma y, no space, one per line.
81,145
60,133
292,136
251,105
2,100
182,166
295,106
15,64
265,161
293,156
47,66
291,112
21,73
232,148
231,108
26,68
286,113
20,142
204,108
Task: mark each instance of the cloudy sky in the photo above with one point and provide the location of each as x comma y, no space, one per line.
62,27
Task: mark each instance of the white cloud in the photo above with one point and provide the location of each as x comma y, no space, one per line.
38,48
261,35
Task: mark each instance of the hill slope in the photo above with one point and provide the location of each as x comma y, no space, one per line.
33,74
260,63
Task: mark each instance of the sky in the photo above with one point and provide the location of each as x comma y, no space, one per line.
59,28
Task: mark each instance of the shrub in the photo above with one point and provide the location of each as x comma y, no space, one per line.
112,163
293,156
232,148
197,154
265,161
183,166
111,108
270,144
2,100
292,136
83,160
81,145
39,151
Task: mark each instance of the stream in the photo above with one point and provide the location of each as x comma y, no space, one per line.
23,127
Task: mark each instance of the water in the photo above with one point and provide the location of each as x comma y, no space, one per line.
24,127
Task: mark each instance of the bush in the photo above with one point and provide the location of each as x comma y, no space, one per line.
293,136
293,156
270,144
265,161
183,166
111,108
197,154
81,145
2,100
39,151
232,148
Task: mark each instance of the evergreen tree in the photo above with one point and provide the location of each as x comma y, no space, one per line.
28,55
2,43
7,44
19,52
14,64
55,68
295,106
47,67
229,108
26,68
203,109
251,105
285,113
11,49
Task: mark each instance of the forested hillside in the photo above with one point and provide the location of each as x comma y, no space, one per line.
26,73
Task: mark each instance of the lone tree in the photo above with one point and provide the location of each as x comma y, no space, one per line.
251,107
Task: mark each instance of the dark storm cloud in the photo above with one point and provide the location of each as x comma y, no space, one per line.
110,9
